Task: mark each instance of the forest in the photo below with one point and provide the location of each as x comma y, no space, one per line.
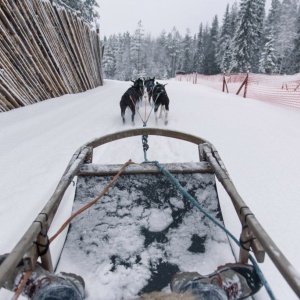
247,38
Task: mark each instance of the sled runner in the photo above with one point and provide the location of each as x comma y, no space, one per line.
140,228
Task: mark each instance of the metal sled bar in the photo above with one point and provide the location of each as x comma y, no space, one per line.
133,169
146,131
46,215
283,265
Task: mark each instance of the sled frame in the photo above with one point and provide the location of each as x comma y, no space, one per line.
26,247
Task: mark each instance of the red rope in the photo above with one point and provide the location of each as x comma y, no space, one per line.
21,285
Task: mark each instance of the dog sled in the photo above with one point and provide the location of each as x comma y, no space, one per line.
143,228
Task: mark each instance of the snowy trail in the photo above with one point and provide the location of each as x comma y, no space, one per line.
258,142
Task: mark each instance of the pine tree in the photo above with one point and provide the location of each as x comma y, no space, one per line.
260,10
268,59
296,49
287,35
199,55
233,16
214,34
210,39
160,55
247,36
86,7
271,29
187,53
108,61
224,43
206,43
137,48
88,10
273,18
148,62
174,50
119,58
126,58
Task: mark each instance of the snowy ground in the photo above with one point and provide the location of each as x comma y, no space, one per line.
258,142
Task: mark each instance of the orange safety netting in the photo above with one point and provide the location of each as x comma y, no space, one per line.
280,89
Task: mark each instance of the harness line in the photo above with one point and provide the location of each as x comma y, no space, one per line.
134,104
145,137
153,106
146,120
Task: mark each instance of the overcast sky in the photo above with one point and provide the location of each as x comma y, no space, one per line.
119,16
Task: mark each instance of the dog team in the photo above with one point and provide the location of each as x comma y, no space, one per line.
157,97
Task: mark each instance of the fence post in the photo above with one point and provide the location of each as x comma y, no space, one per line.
224,81
245,82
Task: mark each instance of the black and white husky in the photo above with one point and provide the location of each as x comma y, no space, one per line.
131,98
160,98
149,85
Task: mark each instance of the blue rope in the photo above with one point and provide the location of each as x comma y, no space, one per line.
172,179
145,144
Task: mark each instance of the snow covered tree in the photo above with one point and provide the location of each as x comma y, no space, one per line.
86,7
224,43
137,48
210,38
273,18
247,36
160,55
271,32
206,43
260,31
233,16
268,59
122,57
108,62
88,10
199,53
148,62
187,53
287,35
296,48
174,50
214,35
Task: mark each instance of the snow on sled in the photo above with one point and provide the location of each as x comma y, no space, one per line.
144,228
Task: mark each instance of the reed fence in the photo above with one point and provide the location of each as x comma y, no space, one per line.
46,50
279,89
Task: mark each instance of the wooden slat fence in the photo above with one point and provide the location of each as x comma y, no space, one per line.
46,51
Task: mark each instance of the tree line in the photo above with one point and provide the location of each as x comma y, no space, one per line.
247,39
87,8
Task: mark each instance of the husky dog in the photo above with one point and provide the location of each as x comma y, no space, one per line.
161,99
131,98
149,84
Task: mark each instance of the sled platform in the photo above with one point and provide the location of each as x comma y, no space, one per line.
145,226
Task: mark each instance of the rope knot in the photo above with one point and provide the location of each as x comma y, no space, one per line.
145,145
145,142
